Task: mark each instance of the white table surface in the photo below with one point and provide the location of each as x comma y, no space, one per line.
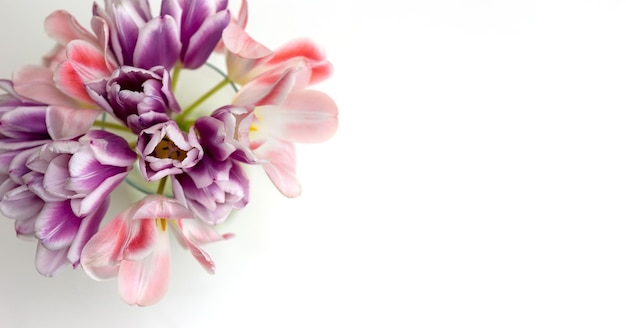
477,179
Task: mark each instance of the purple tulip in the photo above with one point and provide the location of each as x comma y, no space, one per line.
201,23
139,98
137,39
165,150
217,184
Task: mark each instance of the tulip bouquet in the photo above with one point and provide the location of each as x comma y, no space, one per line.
105,103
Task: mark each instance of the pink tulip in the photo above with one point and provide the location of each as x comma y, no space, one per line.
134,247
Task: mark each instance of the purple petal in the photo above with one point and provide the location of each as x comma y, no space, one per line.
56,177
110,149
125,32
50,262
97,196
158,44
57,225
88,227
204,40
20,203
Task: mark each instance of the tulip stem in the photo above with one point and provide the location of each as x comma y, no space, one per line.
175,74
161,185
204,97
112,126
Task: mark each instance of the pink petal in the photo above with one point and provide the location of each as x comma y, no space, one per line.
304,49
202,257
63,27
146,281
298,48
68,123
244,53
37,83
100,258
141,240
281,166
307,116
270,90
242,16
157,206
200,232
260,92
85,63
99,25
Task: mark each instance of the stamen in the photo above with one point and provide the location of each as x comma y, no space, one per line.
161,223
168,149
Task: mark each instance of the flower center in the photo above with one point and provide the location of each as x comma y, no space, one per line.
168,149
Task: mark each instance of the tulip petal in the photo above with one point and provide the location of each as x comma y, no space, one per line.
37,83
146,281
142,237
69,123
243,54
63,27
57,225
281,166
205,39
101,254
125,31
158,44
270,90
110,149
157,206
50,262
307,116
103,33
88,228
19,203
85,63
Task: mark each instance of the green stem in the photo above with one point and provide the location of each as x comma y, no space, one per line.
200,100
175,75
161,185
112,126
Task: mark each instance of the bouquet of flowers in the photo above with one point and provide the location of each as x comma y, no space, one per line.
105,104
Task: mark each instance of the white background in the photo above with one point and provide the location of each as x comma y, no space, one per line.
477,179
